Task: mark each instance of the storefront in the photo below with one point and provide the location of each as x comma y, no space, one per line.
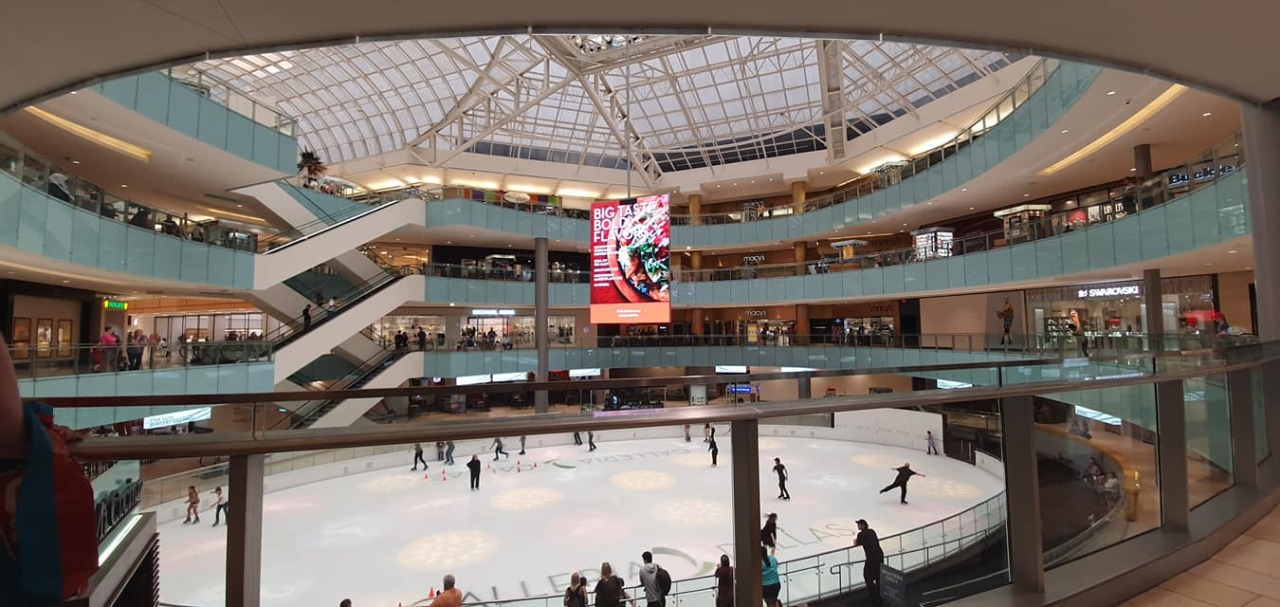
235,326
863,323
480,328
1116,309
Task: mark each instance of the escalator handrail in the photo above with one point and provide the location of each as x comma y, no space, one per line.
305,237
366,369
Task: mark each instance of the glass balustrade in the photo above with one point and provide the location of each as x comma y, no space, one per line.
224,94
42,358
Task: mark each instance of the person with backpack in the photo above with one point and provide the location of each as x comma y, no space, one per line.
656,581
576,594
610,590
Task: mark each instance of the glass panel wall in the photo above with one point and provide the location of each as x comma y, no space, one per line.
1209,464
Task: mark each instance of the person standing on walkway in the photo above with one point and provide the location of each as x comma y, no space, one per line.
904,474
219,506
448,453
769,579
781,471
417,457
715,452
651,581
474,467
931,443
610,590
870,544
521,444
306,318
576,594
497,449
422,339
724,583
591,441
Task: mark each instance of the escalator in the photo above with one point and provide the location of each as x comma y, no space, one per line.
389,368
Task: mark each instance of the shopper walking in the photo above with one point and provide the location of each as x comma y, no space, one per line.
715,452
422,339
474,467
591,441
769,533
219,506
417,457
781,471
497,449
306,318
448,453
193,506
931,443
904,474
769,579
724,583
870,544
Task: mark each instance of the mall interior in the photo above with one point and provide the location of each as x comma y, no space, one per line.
258,263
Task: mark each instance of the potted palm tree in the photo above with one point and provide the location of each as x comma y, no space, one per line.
311,166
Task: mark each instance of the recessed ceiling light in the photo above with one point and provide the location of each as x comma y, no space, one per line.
451,304
1207,114
822,172
1232,252
451,242
472,236
970,208
73,92
904,224
770,179
1026,195
75,162
1065,131
239,206
66,282
1110,93
687,247
964,189
124,185
1133,170
753,181
386,253
735,183
717,185
930,202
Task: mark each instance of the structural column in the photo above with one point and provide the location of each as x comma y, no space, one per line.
541,333
695,321
1022,494
798,197
802,325
746,513
1142,161
1262,154
244,531
1153,309
695,209
801,251
1171,454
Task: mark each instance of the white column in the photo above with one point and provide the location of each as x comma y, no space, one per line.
1262,157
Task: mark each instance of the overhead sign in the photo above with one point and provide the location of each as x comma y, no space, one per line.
1103,292
178,417
739,389
493,312
630,261
111,304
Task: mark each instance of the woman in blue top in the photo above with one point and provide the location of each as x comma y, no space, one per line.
769,578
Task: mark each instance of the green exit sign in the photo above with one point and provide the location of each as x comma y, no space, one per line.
115,305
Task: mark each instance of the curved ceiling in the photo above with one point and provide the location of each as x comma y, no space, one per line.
655,103
58,45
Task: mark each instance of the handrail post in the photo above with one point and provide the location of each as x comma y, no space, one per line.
1171,456
244,533
747,590
1022,490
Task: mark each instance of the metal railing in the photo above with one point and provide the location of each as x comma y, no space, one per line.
226,95
38,360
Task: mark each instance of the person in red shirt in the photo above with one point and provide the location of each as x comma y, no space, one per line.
450,596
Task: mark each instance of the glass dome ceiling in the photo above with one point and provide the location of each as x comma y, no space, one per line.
682,102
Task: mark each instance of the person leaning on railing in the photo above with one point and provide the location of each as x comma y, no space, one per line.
48,528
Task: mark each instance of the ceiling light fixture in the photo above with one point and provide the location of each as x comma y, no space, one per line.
1065,131
1207,114
1233,252
124,185
1110,93
1120,130
964,189
84,132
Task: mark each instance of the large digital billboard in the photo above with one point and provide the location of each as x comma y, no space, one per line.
631,260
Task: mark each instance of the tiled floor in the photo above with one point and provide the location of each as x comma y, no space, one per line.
1244,573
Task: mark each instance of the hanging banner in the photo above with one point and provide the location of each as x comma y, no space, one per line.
631,261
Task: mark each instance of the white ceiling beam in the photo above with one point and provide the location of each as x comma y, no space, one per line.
504,120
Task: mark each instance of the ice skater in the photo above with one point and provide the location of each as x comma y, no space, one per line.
591,441
577,438
521,444
448,453
870,544
497,449
715,452
706,433
687,438
193,506
904,474
219,506
769,533
474,467
417,457
931,443
781,471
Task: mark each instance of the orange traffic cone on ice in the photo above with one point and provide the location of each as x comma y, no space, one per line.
432,594
535,464
443,476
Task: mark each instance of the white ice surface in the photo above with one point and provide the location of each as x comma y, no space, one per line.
388,536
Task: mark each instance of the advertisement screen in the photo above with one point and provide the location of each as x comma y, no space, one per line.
630,261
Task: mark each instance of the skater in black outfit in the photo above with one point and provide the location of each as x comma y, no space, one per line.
417,457
875,557
591,441
715,452
474,466
521,444
497,449
769,533
577,438
904,474
781,470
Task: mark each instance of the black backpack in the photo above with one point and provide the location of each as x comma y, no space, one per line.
664,581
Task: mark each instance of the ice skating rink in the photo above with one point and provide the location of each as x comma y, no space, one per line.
388,536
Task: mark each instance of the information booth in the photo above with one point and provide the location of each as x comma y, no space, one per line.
1024,223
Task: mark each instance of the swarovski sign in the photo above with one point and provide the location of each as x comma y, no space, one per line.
1098,292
